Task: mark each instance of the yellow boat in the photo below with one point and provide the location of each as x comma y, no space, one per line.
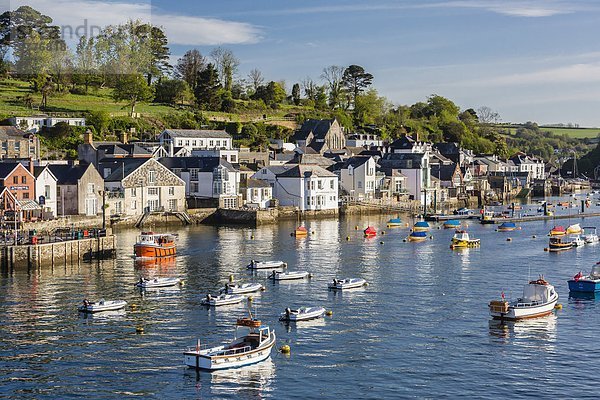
558,231
574,229
462,240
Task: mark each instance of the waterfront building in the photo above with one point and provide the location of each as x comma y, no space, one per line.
79,189
45,191
449,177
358,177
96,153
415,167
138,186
18,144
364,140
257,193
531,164
19,182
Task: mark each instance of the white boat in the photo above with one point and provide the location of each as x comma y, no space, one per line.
539,299
157,282
236,288
222,299
266,264
348,283
290,275
101,305
577,241
574,229
589,234
302,314
252,347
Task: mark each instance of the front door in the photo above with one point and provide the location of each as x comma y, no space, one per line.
91,207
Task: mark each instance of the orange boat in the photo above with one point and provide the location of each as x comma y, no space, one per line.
150,244
300,231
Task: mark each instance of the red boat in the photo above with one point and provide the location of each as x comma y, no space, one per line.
370,231
152,245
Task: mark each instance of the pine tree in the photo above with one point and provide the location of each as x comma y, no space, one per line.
207,89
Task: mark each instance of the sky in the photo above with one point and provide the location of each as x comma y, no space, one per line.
529,60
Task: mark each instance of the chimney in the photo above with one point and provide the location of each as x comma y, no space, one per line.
31,165
123,137
88,137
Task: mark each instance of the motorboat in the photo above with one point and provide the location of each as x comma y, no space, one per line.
301,231
507,227
464,211
452,224
266,264
252,346
151,244
290,275
558,230
487,217
577,241
301,314
158,282
586,283
417,236
557,243
101,305
589,234
370,231
421,226
394,222
236,288
348,283
573,229
222,299
539,299
461,239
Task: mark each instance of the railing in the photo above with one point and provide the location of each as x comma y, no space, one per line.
530,304
237,350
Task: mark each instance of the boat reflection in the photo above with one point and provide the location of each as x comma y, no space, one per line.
162,264
577,297
295,326
538,332
104,315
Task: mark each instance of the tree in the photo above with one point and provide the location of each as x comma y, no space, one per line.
272,93
356,80
310,88
256,78
170,91
99,120
207,89
487,116
188,67
226,64
85,63
296,94
333,75
133,89
157,42
368,107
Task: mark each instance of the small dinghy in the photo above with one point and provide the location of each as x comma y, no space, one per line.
222,300
557,244
348,283
370,231
452,224
290,275
577,241
302,314
421,226
144,283
589,234
101,305
235,288
507,227
394,222
266,264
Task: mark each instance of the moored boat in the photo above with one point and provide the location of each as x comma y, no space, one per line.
586,283
461,239
300,231
558,230
417,236
348,283
290,275
370,231
266,264
589,234
236,288
452,224
394,222
301,314
558,244
222,299
101,305
421,226
150,244
252,347
487,217
507,227
157,282
577,241
539,299
573,229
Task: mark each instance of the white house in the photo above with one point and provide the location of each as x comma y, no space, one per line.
257,193
364,140
415,167
194,139
35,122
358,177
533,165
45,191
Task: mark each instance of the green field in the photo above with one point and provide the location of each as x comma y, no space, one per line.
578,133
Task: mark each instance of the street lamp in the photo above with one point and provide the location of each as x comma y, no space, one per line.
103,194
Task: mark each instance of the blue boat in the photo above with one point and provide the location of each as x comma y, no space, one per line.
417,236
507,227
452,223
586,283
394,222
421,226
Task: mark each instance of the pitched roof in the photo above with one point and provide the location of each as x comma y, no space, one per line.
121,149
68,174
444,172
120,168
198,133
300,171
37,171
355,161
447,148
405,142
11,132
318,127
6,168
315,159
257,183
401,160
202,164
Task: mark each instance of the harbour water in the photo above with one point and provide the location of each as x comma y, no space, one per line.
420,329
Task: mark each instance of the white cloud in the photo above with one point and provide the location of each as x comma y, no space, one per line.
180,29
516,8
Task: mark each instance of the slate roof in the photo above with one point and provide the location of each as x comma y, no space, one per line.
123,150
443,171
11,132
355,161
300,171
447,148
121,168
401,161
405,142
315,159
198,133
37,171
318,127
68,174
6,168
203,164
257,183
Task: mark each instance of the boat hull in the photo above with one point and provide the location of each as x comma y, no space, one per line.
350,285
290,276
458,244
159,284
95,308
154,251
314,314
521,313
584,285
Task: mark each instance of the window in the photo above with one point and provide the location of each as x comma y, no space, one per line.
107,172
133,192
312,185
16,180
151,176
194,174
211,143
172,204
264,171
194,187
187,142
23,179
171,190
4,146
233,158
359,185
17,146
218,143
134,205
91,188
152,191
118,207
25,195
320,184
47,192
331,184
194,143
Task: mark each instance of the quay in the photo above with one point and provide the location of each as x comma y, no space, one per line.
448,217
544,217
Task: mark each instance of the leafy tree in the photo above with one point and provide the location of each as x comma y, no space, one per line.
333,75
159,64
170,91
207,89
296,94
226,64
133,89
85,63
272,93
368,108
321,98
356,80
189,66
100,120
227,102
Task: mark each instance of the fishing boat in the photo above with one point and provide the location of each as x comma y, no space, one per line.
539,299
461,239
150,244
464,212
301,314
348,283
266,264
157,282
572,229
300,231
370,231
101,305
236,288
558,230
586,283
452,224
253,346
417,236
558,244
421,226
507,227
222,299
589,234
290,275
394,222
487,217
577,241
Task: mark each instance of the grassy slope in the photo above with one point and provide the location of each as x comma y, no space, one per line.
579,133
